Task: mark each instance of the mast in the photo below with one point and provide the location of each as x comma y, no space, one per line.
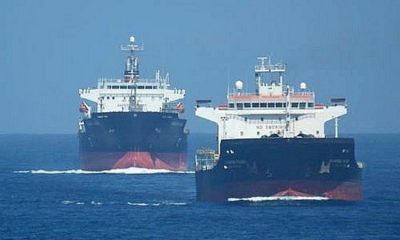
266,67
131,73
259,70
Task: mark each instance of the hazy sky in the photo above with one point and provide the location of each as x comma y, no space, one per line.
49,49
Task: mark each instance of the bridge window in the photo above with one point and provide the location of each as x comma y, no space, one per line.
302,105
123,87
239,105
262,119
279,105
271,105
131,86
108,87
310,104
231,105
284,104
140,87
115,87
263,105
148,87
295,105
255,105
247,105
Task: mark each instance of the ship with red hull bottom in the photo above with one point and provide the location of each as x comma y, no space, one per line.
272,145
132,122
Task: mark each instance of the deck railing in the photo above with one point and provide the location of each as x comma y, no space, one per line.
205,159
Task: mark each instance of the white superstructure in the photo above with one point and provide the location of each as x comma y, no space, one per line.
274,110
133,93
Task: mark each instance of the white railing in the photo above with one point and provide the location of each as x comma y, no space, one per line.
119,80
205,159
270,68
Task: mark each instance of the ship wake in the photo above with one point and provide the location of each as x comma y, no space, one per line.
278,198
132,170
137,204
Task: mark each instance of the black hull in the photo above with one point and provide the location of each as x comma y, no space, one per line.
307,167
133,139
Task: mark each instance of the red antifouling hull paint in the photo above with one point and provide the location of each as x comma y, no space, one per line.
348,191
98,161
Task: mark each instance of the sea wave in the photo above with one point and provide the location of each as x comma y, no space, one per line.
132,170
278,198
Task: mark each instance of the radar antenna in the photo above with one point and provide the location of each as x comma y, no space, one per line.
132,65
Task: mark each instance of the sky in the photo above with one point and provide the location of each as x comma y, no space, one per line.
49,49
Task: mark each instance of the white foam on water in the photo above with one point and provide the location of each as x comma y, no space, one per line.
142,204
138,204
67,202
132,170
278,198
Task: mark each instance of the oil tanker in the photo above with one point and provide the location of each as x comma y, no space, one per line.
133,121
272,145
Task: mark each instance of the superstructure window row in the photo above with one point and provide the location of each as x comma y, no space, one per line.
299,105
131,87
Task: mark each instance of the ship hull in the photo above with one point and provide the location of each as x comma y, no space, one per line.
133,139
305,168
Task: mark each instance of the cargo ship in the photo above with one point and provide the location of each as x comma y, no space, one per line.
271,144
132,121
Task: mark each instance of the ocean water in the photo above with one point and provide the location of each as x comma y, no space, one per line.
44,195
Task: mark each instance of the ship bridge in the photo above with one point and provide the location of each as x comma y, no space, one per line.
273,110
133,93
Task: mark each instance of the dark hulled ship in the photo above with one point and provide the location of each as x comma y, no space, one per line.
132,122
272,144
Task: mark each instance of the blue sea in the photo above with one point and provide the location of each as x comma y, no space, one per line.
44,195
